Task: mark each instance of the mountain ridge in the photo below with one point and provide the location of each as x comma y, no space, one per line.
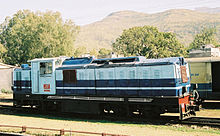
185,23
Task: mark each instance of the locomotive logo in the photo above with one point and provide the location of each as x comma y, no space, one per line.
46,87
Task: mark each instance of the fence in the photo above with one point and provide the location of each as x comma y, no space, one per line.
61,131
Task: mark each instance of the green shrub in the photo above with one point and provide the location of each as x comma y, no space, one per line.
6,91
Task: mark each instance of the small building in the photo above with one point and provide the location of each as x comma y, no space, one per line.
6,76
205,51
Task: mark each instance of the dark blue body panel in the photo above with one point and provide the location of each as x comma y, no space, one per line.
22,87
120,83
123,87
117,92
204,90
76,91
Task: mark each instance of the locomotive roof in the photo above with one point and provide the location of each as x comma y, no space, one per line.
141,59
78,61
174,60
47,59
124,61
111,62
120,60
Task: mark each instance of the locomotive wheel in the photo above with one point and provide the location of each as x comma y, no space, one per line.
113,110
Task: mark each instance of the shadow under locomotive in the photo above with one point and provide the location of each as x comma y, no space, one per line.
136,119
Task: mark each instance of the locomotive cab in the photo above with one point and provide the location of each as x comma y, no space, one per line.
43,75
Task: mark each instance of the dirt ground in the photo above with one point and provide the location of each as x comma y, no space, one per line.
113,128
106,127
6,96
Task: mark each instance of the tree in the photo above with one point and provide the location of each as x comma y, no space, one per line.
80,51
29,35
103,52
2,51
206,36
148,41
93,52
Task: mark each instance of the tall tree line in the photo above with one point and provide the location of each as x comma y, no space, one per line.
206,36
28,35
148,41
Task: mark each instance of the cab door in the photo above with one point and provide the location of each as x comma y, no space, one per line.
43,77
47,77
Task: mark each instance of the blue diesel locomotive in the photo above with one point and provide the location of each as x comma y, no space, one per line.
113,86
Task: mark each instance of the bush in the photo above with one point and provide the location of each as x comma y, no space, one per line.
6,91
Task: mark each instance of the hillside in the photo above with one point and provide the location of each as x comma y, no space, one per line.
185,23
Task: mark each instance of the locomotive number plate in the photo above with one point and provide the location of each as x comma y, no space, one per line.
46,87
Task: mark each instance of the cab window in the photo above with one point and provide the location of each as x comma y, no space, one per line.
45,68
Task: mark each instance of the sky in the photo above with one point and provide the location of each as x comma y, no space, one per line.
84,12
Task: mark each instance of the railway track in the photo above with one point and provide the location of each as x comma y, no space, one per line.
211,104
162,120
14,109
202,121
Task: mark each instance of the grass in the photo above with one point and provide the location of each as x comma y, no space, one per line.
173,128
190,129
181,128
178,128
